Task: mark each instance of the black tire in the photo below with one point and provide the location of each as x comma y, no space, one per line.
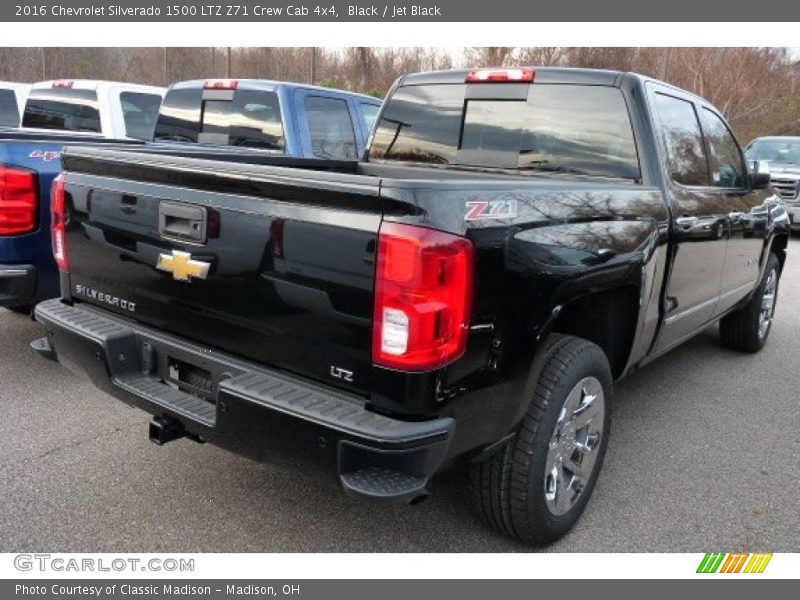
741,330
508,488
23,310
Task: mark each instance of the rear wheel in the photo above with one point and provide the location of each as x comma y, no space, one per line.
536,488
747,329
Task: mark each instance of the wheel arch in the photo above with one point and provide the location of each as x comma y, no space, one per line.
607,318
778,246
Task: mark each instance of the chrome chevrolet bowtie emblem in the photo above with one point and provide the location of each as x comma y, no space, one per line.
182,267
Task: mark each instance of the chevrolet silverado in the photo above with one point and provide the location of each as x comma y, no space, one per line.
513,242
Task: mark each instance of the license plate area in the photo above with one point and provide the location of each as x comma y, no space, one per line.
189,369
190,379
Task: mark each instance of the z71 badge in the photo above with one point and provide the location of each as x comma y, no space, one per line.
478,210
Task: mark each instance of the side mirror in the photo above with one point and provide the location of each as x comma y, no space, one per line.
759,174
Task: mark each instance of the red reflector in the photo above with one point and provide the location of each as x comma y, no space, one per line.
19,201
58,222
221,84
509,75
423,297
63,84
276,237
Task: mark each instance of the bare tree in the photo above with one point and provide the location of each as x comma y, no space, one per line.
758,89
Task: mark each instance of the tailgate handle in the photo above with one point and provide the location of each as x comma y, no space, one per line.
182,221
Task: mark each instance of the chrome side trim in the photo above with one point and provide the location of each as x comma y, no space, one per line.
690,311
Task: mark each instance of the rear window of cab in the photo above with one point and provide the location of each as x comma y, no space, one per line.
64,109
558,128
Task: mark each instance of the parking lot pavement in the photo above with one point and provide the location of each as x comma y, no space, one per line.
705,453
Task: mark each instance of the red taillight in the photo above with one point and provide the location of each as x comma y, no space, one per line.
220,84
505,75
19,201
276,237
63,84
58,223
423,297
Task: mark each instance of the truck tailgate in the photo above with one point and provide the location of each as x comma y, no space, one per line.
273,264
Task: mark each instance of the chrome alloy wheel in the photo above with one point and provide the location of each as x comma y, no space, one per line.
574,445
767,304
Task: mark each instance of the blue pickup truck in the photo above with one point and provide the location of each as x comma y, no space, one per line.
251,117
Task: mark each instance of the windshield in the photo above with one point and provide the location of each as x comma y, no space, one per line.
65,109
785,152
560,129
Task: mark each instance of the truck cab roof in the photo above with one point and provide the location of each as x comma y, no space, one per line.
546,75
266,85
777,138
13,85
541,74
97,85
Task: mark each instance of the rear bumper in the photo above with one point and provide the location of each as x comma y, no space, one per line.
251,410
17,285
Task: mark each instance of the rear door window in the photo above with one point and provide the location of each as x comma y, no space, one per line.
65,109
683,139
9,111
330,127
139,112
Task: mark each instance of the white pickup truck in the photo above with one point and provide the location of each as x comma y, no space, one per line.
109,109
12,101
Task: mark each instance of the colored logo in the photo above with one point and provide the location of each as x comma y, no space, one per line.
735,562
182,266
45,156
479,210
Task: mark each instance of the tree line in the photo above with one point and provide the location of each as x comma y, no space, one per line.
756,88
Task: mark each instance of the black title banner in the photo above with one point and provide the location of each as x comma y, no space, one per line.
345,589
396,10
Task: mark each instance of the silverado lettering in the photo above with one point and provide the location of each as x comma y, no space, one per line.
93,294
515,241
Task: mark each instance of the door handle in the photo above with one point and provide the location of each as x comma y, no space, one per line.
686,222
182,221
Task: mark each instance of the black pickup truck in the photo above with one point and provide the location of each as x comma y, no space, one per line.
513,242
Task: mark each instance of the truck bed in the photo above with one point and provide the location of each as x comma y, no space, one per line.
290,242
